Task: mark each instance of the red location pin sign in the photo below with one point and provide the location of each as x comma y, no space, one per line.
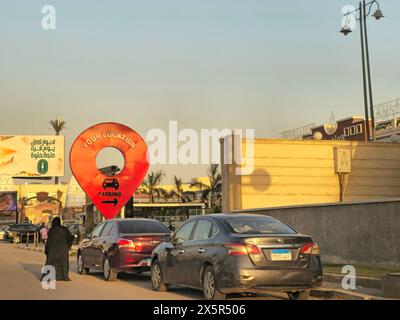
109,194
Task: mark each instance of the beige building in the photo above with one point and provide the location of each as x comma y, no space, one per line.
288,172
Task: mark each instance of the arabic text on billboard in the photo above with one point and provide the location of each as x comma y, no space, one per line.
32,156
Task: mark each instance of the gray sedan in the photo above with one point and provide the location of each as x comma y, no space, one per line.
222,254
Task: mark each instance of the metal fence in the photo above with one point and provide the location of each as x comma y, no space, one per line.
387,111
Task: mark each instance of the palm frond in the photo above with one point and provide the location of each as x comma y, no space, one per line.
57,125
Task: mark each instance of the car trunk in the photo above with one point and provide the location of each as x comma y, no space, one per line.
144,243
281,250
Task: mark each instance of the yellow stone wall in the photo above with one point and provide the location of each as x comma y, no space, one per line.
302,172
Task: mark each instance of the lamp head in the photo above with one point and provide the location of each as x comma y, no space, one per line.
346,30
378,14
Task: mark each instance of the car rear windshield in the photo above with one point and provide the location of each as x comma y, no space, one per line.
23,228
142,227
259,225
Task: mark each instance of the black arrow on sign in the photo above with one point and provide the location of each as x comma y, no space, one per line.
115,201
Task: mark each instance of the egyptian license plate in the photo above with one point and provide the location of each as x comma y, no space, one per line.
281,255
148,262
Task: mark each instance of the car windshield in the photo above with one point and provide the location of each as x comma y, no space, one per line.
142,227
259,225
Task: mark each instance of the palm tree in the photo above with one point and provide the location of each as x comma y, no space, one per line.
57,125
151,184
178,190
166,195
211,191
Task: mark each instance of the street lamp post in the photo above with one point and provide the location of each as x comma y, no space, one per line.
364,11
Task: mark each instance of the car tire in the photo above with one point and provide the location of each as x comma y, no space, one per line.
210,290
108,273
157,281
299,295
80,265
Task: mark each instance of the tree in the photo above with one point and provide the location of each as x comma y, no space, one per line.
166,195
211,192
178,190
57,125
151,185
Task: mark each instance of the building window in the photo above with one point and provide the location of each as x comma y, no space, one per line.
359,129
346,132
352,130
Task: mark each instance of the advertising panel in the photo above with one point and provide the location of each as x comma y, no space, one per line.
32,156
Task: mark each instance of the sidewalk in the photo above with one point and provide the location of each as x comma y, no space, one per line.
40,248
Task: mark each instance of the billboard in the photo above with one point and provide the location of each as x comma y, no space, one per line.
8,203
32,156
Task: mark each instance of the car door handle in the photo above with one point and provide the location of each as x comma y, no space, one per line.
181,251
201,250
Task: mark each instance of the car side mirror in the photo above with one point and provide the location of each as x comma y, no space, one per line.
177,241
166,238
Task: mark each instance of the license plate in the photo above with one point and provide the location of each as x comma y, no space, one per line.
148,262
281,255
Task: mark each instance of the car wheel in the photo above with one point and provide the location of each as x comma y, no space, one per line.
81,267
299,295
210,290
108,273
157,281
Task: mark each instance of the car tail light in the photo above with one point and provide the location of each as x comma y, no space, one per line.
138,246
310,248
253,249
237,249
125,243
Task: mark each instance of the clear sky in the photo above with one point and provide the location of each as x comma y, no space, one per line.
266,65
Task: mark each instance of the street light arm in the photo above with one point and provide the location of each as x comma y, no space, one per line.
368,6
353,13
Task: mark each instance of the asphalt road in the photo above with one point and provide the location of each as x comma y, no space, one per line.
20,273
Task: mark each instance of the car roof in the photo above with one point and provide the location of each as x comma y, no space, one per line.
224,216
130,219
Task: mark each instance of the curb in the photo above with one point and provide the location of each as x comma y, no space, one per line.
344,294
367,282
391,285
330,293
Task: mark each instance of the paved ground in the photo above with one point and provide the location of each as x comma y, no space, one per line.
20,271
